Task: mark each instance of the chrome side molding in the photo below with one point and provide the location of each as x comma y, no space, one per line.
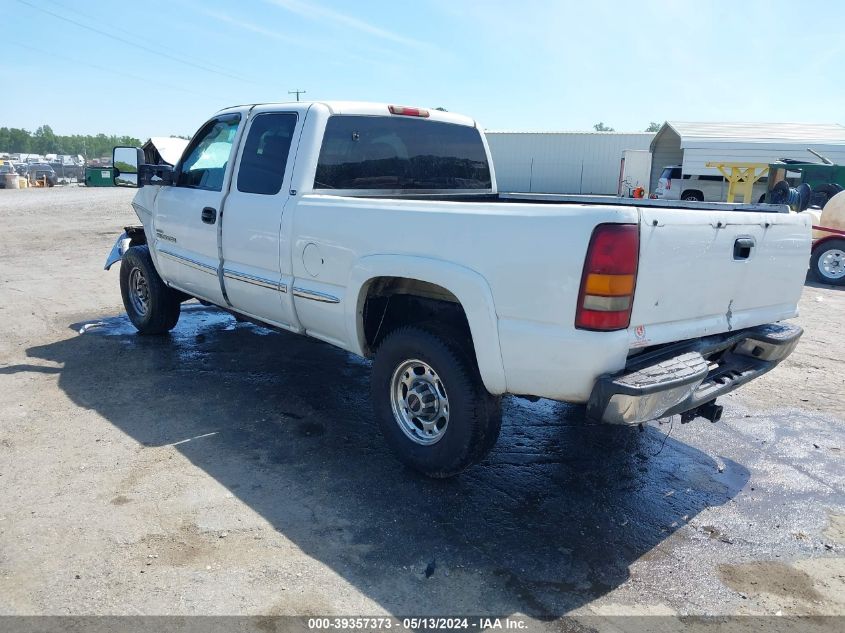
255,281
193,263
314,295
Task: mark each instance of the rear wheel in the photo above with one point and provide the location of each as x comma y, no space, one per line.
693,196
430,403
828,262
152,307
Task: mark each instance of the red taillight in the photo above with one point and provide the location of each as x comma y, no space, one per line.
406,111
609,278
668,183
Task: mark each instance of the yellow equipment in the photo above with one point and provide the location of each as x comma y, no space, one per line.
741,177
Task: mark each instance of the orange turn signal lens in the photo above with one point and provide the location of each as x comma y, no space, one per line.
609,285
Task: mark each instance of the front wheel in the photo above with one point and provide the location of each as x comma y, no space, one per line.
828,262
430,403
152,307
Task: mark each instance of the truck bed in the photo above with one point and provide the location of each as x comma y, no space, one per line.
557,198
561,198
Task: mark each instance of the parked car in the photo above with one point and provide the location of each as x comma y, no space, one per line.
6,167
379,229
68,170
39,171
673,184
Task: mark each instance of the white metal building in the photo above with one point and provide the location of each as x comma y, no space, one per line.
561,162
691,145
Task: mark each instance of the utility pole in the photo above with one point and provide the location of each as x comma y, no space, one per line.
296,92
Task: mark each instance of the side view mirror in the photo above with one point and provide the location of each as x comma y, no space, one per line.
126,161
130,171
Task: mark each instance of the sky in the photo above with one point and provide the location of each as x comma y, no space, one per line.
156,68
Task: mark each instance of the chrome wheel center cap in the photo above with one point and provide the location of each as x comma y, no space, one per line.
419,402
422,401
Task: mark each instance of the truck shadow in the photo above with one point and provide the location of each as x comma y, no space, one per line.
551,520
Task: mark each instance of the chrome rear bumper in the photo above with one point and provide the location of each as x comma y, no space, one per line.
684,376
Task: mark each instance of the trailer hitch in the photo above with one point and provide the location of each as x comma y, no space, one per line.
709,411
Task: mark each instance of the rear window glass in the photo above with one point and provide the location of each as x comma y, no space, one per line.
374,152
671,172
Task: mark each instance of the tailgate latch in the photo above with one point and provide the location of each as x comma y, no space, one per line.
743,247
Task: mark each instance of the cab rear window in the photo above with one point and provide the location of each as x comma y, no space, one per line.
400,153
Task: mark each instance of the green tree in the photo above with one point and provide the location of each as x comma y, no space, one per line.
601,127
45,141
654,126
15,140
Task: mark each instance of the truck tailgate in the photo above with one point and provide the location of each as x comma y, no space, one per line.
705,272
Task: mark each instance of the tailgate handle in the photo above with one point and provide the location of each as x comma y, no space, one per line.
742,247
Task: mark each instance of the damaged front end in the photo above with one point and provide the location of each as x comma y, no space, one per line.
131,236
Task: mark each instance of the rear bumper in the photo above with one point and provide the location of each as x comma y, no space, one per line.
683,376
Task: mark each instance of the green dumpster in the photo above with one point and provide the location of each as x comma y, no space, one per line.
99,177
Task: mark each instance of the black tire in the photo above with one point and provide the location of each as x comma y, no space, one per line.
162,303
780,192
829,190
475,416
693,196
819,260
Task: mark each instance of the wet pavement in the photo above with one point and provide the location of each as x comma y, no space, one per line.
228,469
561,514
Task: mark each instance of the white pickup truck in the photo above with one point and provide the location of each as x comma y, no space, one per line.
379,229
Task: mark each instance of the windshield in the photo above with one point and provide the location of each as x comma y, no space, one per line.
376,152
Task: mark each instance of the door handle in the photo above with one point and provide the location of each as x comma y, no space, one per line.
209,215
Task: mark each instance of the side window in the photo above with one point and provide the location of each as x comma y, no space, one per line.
265,154
204,163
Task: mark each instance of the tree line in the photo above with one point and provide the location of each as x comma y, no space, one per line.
45,141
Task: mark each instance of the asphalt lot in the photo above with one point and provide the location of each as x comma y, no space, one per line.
231,469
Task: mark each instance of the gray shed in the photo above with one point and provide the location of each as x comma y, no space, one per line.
691,145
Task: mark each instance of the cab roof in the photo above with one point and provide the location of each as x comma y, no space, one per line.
366,108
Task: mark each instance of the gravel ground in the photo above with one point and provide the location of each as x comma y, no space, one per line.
227,469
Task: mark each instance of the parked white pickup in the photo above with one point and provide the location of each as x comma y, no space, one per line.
379,229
